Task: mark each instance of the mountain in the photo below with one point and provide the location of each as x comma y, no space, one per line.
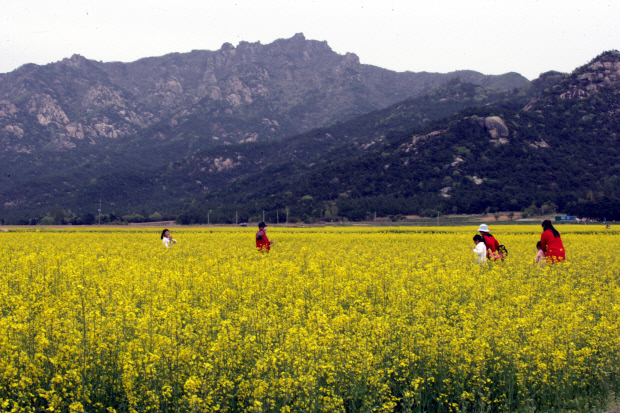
172,184
67,124
248,93
559,150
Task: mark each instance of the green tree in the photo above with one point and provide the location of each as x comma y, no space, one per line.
47,221
155,216
58,214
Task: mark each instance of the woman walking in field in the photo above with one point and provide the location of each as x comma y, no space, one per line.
490,242
262,242
551,243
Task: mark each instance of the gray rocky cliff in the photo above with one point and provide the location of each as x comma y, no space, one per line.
296,84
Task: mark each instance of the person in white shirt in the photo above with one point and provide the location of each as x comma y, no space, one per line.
167,238
480,250
540,258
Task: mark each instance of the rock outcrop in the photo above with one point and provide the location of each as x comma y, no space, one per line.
598,74
496,127
603,71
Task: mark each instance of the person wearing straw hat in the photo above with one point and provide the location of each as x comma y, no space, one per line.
490,242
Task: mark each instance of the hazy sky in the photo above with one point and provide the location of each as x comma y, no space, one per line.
492,37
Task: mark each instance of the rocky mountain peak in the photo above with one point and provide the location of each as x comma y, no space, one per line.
249,92
74,61
226,47
602,71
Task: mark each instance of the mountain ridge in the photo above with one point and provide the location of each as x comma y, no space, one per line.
556,151
67,123
78,100
451,148
216,166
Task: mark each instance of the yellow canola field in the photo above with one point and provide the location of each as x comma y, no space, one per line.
332,320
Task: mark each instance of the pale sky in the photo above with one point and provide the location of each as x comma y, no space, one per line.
493,37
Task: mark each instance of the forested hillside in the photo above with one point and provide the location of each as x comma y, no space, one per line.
167,187
103,129
558,151
458,148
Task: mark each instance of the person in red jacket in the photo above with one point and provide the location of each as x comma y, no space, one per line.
490,242
551,243
262,242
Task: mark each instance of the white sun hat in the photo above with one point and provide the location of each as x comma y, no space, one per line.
483,228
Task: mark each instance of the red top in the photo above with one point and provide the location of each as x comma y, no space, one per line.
491,244
262,242
552,246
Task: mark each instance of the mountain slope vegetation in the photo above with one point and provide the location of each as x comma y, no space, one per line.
456,148
66,125
559,150
174,182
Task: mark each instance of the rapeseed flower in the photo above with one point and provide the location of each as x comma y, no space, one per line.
334,319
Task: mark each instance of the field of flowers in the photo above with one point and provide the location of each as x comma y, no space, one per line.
332,320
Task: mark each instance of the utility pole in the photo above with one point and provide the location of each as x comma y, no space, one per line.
286,215
208,219
99,212
437,218
236,217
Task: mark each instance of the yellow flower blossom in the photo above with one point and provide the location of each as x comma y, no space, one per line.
332,319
